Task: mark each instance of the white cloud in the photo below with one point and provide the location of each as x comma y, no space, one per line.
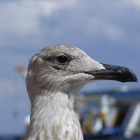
22,18
50,6
97,28
21,21
135,3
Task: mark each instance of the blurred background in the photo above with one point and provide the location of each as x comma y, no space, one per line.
108,31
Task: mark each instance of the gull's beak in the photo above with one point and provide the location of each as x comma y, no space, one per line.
111,72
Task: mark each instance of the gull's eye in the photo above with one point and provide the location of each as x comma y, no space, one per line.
62,59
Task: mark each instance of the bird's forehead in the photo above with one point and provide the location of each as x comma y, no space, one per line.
63,49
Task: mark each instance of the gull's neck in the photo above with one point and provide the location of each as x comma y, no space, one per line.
53,118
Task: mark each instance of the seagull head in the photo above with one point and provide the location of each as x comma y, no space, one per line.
64,68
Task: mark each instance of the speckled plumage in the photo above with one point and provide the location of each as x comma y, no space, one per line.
53,118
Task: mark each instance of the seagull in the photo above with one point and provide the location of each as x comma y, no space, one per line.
54,76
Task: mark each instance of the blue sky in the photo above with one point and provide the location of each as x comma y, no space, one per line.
108,31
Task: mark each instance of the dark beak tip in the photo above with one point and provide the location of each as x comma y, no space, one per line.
132,79
131,76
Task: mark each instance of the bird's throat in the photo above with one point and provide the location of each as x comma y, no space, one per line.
53,118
